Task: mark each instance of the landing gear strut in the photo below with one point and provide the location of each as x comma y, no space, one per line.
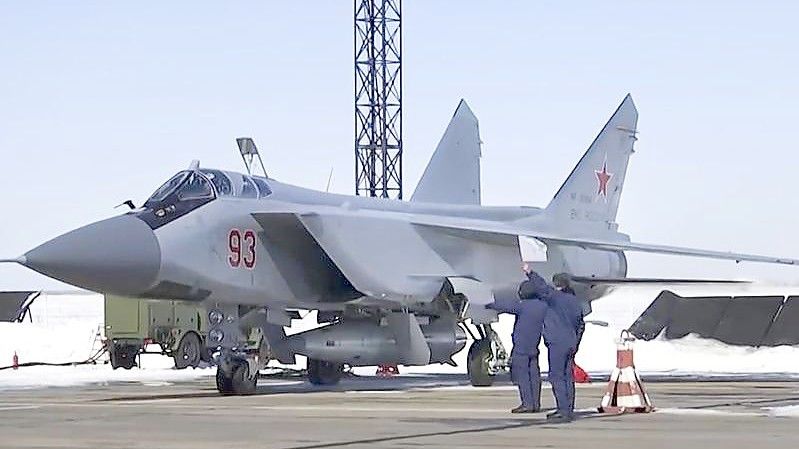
243,349
487,356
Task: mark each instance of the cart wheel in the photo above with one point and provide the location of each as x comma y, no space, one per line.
189,351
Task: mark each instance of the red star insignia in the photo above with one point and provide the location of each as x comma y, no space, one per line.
603,177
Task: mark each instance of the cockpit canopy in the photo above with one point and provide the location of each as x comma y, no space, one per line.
208,184
191,189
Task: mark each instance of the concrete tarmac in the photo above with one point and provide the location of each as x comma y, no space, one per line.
435,412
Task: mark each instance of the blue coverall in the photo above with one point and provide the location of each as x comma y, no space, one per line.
563,319
524,356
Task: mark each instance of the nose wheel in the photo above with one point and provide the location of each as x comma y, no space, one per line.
243,349
237,372
236,378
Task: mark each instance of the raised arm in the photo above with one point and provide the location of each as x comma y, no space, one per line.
539,285
505,305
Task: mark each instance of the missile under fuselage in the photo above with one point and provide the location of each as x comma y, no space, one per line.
364,342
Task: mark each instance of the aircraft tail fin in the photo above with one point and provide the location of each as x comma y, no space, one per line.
453,174
592,191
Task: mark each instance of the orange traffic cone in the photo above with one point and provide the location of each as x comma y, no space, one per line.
580,376
625,392
387,370
15,361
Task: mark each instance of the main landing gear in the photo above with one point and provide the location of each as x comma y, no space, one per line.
486,357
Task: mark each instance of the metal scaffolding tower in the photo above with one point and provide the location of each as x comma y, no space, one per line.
378,98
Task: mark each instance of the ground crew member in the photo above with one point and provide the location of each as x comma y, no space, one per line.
527,329
562,282
562,320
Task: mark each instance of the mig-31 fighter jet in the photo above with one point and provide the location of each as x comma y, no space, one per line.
394,282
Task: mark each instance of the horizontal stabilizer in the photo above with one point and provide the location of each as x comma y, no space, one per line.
619,281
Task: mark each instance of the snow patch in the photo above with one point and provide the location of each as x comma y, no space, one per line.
788,411
65,328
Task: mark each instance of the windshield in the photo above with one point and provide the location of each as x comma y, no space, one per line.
183,193
168,187
195,187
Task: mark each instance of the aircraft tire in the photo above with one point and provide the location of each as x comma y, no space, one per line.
477,364
242,383
324,373
238,382
224,383
188,352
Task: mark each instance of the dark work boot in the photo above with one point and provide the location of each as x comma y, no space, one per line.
524,409
558,417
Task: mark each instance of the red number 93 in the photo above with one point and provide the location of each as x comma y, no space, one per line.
241,248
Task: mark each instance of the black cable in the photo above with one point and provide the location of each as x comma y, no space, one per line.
92,360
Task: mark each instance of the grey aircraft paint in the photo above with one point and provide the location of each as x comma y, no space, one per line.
233,239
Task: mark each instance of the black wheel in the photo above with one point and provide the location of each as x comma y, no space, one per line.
238,381
479,356
324,373
123,356
242,382
224,384
189,351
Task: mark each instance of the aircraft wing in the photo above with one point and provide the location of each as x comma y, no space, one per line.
412,263
438,247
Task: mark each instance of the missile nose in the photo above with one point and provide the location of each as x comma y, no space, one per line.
119,255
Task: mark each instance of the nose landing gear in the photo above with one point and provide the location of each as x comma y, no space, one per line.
243,349
234,377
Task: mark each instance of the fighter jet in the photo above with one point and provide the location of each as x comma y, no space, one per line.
394,282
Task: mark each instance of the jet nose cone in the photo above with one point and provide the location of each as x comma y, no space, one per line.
120,255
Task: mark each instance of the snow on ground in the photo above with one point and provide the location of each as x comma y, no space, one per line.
687,356
64,376
788,411
65,329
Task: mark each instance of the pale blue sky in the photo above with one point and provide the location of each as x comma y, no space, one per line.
102,101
